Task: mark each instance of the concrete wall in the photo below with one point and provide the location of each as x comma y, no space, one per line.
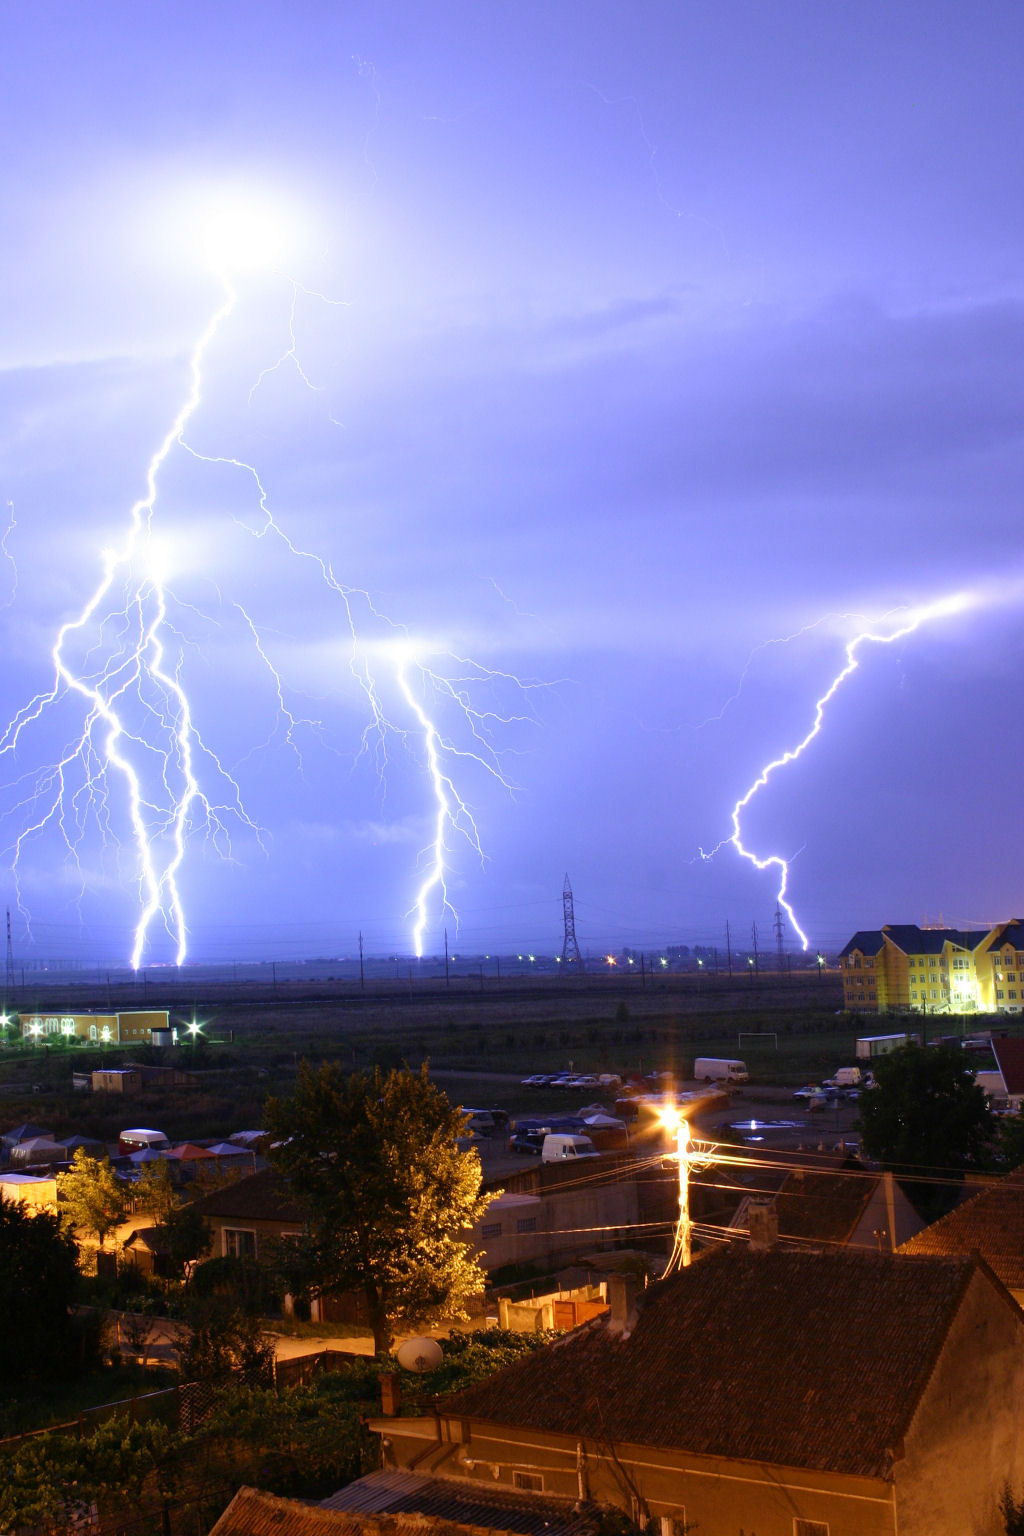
716,1497
967,1438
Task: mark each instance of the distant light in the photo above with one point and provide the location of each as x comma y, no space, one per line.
631,960
532,959
4,1020
700,964
663,960
105,1034
36,1030
558,959
611,960
750,959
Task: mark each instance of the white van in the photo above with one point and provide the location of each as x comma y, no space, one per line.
720,1069
141,1139
559,1148
847,1077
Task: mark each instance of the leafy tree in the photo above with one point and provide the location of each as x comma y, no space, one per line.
38,1282
187,1234
389,1194
926,1115
154,1191
223,1342
92,1195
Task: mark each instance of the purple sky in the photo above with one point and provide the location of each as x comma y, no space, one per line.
627,340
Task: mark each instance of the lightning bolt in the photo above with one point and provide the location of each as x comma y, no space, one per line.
944,607
120,662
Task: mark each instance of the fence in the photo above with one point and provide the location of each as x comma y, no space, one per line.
150,1405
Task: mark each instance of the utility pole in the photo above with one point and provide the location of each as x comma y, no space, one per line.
728,947
9,979
447,979
570,948
362,977
779,927
753,934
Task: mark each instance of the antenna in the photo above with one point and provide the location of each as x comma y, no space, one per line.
9,981
570,948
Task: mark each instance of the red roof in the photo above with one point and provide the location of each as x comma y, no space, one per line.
799,1359
1009,1056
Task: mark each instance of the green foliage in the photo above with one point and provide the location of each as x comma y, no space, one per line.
49,1479
389,1193
154,1191
926,1115
38,1284
188,1236
223,1342
1009,1142
92,1195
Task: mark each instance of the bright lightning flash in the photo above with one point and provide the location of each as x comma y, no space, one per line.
119,665
906,624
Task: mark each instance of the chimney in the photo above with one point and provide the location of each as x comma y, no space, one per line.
390,1393
622,1296
763,1222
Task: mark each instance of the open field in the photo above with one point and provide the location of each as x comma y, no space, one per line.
480,1042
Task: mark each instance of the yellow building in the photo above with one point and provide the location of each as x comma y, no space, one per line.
935,970
101,1028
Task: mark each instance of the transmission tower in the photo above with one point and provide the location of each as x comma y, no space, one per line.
779,927
9,979
570,948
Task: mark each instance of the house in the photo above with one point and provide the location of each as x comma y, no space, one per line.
847,1205
1009,1085
991,1224
548,1213
251,1213
148,1252
784,1392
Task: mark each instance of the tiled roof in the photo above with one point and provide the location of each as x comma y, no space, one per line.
1009,1055
263,1196
824,1207
253,1513
992,1224
868,940
1011,932
801,1359
474,1505
931,941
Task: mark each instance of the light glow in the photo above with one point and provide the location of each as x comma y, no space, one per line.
907,622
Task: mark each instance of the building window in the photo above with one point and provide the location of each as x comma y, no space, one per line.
533,1482
239,1244
491,1229
526,1224
1013,991
999,993
810,1527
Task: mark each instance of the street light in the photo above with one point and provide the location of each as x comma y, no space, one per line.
676,1120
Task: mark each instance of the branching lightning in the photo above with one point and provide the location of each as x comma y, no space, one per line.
118,665
910,621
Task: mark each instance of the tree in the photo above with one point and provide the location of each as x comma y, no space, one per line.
92,1194
389,1193
38,1281
187,1235
926,1116
154,1191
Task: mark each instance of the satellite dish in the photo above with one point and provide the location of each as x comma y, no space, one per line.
419,1355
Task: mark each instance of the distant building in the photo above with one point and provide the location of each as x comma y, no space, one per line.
901,967
99,1028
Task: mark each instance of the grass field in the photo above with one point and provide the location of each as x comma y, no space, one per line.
495,1034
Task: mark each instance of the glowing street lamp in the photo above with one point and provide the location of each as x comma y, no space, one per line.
675,1119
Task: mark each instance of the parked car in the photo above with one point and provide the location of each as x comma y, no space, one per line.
808,1091
536,1080
530,1142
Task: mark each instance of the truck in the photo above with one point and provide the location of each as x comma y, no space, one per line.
560,1148
720,1069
